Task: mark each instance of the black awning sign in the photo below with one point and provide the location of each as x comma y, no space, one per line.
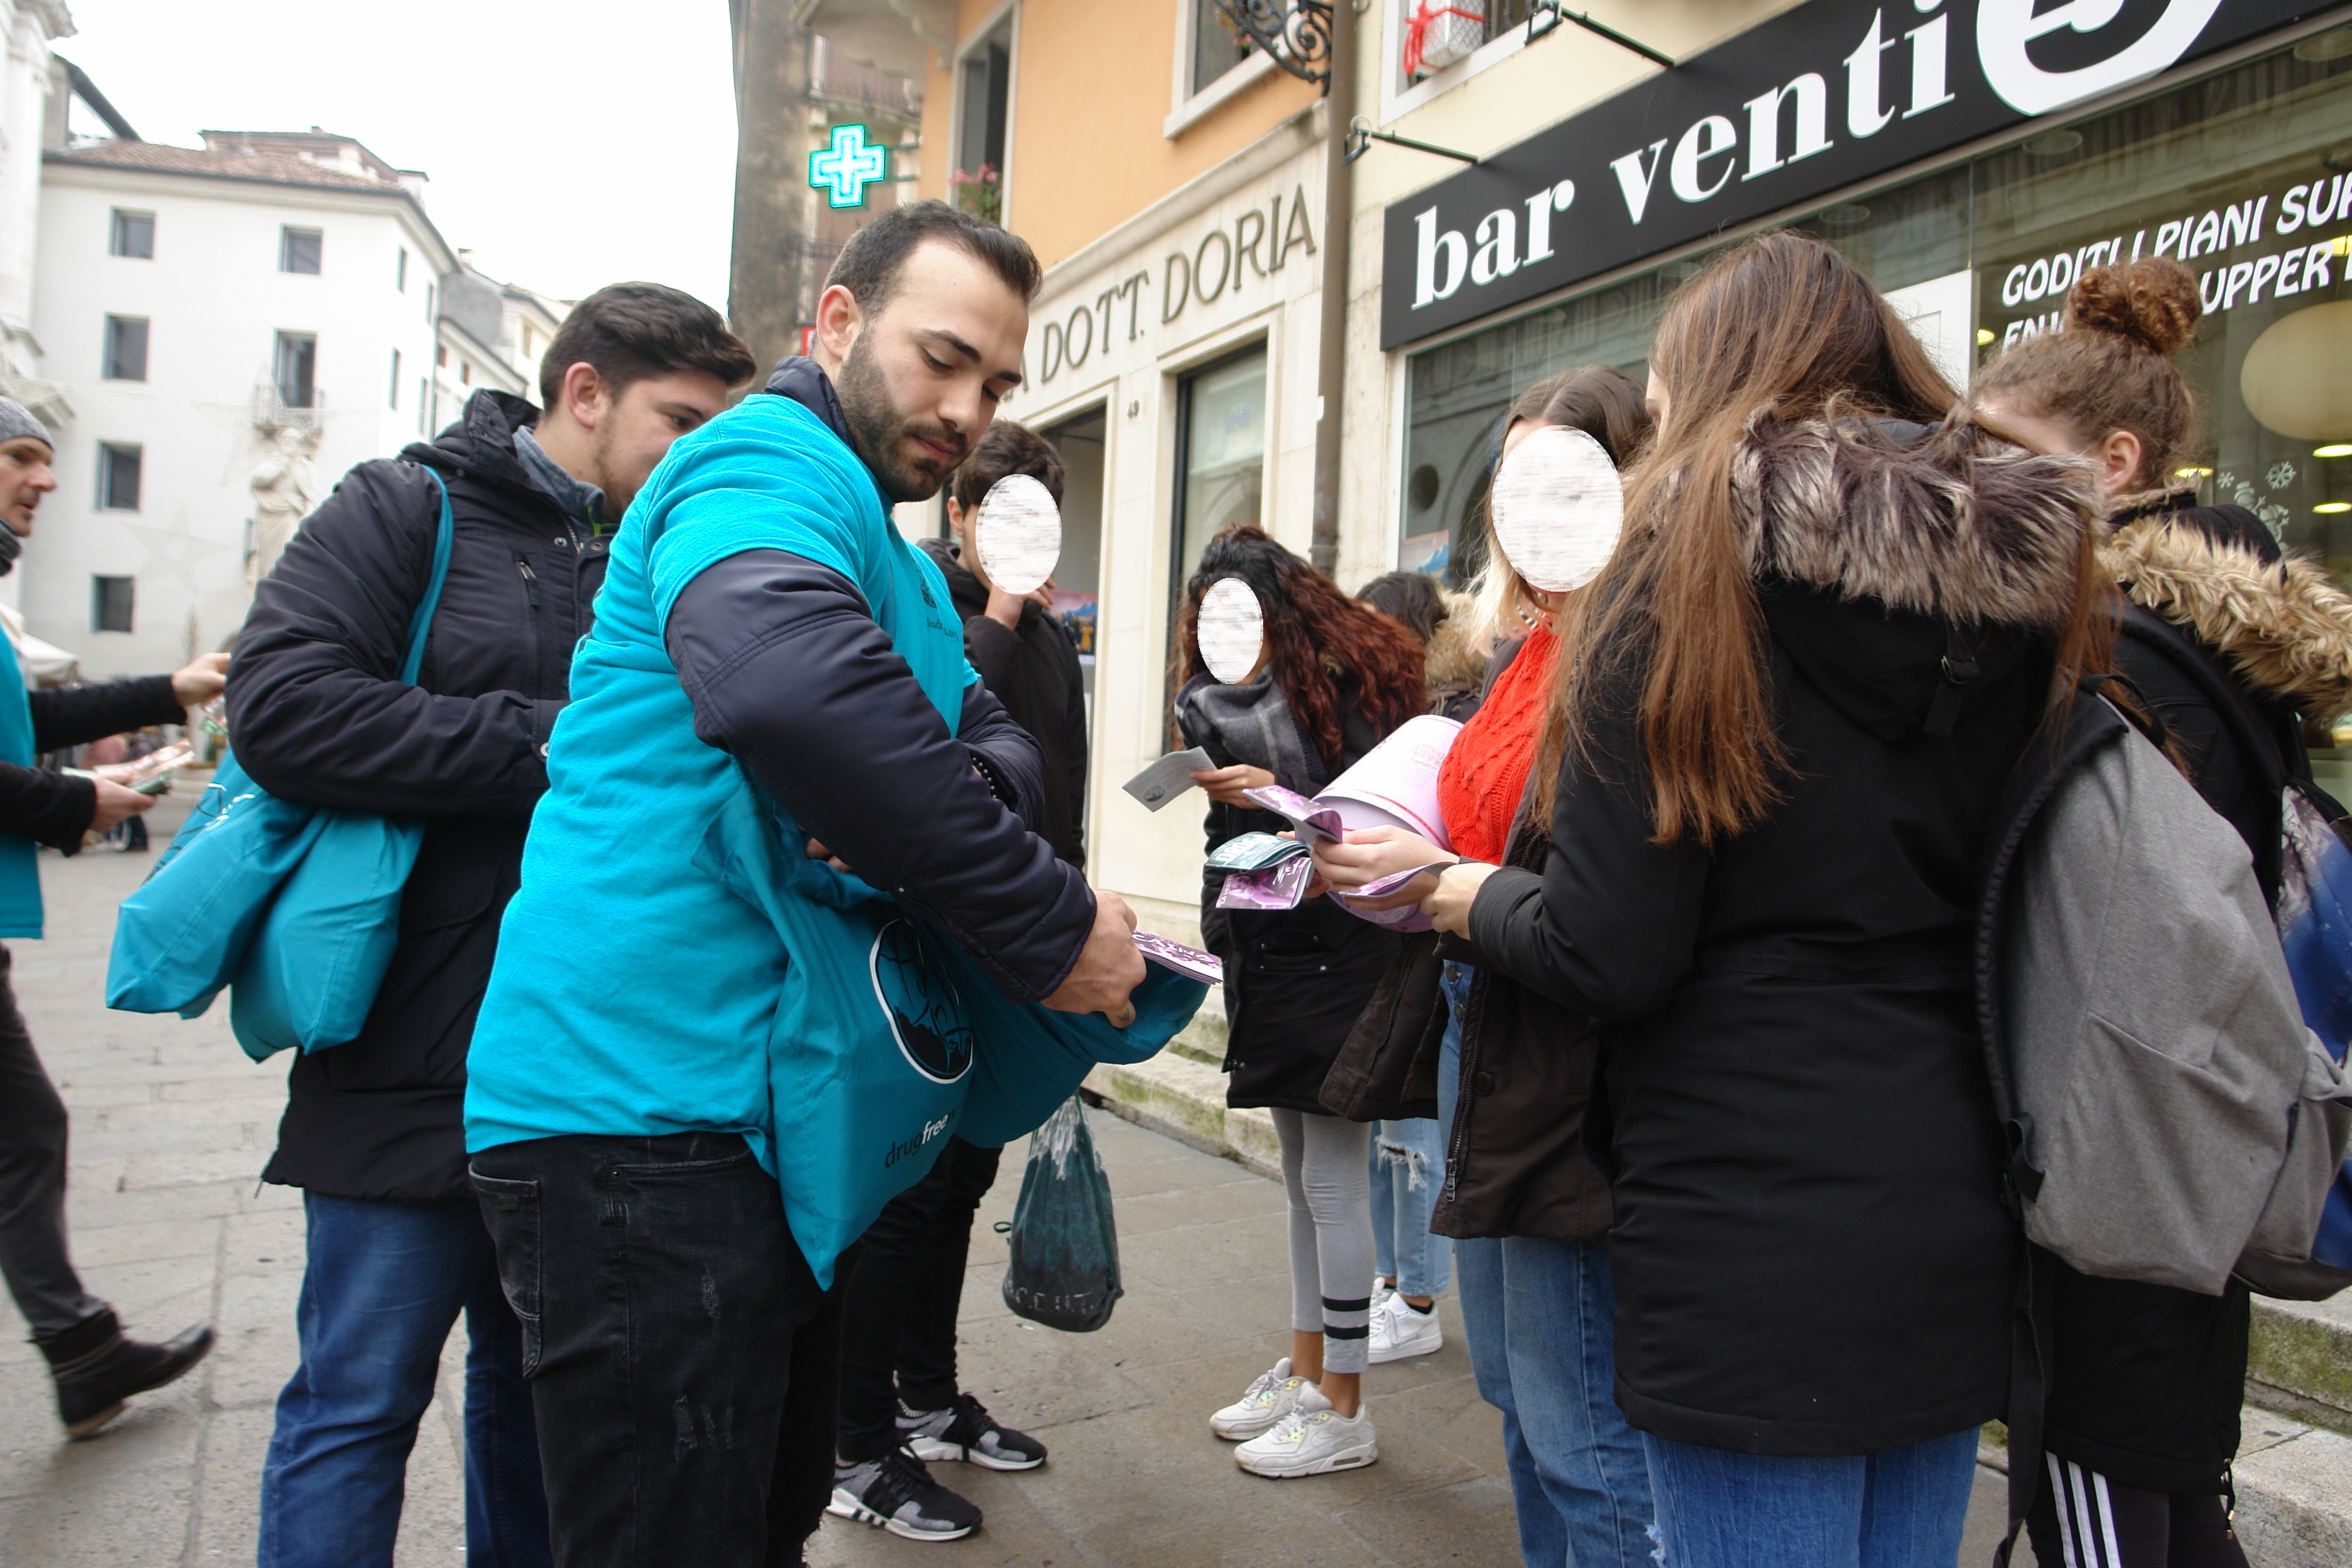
1819,97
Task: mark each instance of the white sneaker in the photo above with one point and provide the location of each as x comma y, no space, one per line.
1312,1440
1381,1291
1400,1330
1263,1404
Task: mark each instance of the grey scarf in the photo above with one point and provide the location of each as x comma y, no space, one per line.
1251,724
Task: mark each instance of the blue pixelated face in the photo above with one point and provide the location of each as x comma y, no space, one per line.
925,1010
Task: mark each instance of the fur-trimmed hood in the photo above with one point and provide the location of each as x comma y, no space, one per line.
2281,625
1948,521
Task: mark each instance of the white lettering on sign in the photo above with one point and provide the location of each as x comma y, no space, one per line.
2006,28
1711,137
1812,96
1635,177
1431,246
1864,114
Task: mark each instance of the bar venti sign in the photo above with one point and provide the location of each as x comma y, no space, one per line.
1823,96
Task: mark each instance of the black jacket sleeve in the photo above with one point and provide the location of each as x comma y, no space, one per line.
992,647
73,715
47,808
789,673
1006,754
317,710
1610,927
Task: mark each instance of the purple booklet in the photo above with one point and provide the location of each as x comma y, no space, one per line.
1186,960
1312,819
1275,887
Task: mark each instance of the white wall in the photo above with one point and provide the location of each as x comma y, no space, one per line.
26,29
215,298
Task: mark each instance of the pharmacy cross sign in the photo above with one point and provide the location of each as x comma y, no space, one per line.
843,170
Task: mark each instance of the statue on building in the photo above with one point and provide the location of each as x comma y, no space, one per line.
285,490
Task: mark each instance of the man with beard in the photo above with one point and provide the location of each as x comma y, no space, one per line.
374,1129
765,641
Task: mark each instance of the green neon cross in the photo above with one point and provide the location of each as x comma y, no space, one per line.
843,170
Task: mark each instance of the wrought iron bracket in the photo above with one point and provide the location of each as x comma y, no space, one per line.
1360,137
1294,34
1548,15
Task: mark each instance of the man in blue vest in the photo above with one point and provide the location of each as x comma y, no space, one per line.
764,632
95,1364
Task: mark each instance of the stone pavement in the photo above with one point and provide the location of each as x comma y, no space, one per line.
172,1126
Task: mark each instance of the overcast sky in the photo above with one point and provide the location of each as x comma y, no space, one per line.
570,144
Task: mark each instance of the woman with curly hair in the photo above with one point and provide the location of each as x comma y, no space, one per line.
1333,679
2232,645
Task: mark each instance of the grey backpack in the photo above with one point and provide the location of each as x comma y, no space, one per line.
2168,1113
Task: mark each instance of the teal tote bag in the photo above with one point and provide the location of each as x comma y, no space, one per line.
294,909
888,1038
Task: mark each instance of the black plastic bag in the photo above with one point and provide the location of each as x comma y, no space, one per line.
1064,1267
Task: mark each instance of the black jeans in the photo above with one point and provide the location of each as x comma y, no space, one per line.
33,1255
678,1349
899,1323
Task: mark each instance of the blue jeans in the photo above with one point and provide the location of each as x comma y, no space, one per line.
1540,1318
1408,1168
384,1285
1902,1507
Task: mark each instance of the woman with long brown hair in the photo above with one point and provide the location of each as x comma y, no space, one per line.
1838,614
2232,645
1333,678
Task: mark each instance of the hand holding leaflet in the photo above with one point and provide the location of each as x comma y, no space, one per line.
1169,777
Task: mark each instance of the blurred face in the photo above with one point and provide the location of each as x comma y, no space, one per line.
633,431
920,380
25,478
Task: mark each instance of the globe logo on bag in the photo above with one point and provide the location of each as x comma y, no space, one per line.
920,998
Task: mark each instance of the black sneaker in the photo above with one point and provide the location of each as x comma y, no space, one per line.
97,1367
965,1430
897,1494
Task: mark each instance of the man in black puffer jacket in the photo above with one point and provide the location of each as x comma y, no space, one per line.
374,1128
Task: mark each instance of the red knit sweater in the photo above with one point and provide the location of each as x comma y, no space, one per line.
1486,770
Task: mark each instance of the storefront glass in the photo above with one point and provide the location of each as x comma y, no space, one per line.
2226,173
1222,411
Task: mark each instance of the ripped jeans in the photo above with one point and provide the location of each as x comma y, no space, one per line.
1408,1168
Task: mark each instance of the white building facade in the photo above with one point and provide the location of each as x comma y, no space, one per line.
27,27
232,328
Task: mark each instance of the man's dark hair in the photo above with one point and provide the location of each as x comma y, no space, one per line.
632,330
1007,448
869,264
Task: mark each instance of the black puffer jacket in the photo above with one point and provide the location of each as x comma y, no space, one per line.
1811,1252
1296,980
317,713
2147,1381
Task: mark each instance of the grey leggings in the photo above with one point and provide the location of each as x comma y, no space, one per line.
1326,1168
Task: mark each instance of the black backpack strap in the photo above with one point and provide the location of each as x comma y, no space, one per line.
2031,1316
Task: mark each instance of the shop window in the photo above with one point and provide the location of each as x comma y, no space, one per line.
1221,439
1217,45
120,466
298,251
110,603
297,365
2243,176
126,348
1077,574
978,179
132,235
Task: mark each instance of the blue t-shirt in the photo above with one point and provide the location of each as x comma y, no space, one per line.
661,1024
